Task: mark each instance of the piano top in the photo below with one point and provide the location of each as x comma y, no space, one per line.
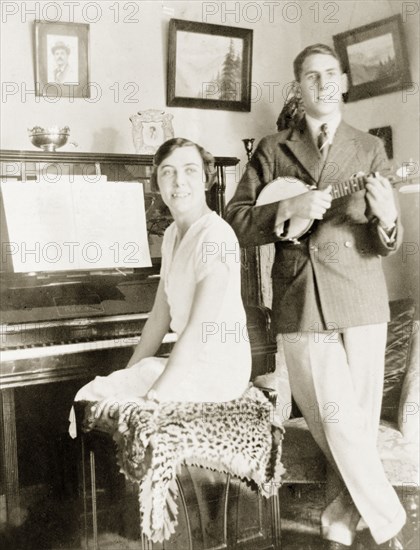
9,155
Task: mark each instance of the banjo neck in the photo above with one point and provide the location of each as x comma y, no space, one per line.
352,185
285,188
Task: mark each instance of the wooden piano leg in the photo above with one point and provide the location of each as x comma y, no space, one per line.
275,519
10,461
94,506
84,488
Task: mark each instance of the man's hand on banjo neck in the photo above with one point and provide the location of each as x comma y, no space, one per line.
313,204
380,197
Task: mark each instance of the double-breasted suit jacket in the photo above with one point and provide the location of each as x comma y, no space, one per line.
333,279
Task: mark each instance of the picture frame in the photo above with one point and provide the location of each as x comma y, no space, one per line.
385,134
375,58
61,59
209,66
151,128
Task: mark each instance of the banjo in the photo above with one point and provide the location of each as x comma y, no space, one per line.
286,188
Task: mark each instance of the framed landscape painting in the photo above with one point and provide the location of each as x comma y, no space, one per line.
209,66
375,58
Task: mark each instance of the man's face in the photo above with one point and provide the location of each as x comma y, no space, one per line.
322,84
60,56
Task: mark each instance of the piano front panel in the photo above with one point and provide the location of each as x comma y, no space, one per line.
56,336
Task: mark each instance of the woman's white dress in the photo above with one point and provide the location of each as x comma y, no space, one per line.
220,369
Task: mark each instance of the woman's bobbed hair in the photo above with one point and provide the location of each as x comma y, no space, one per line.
167,149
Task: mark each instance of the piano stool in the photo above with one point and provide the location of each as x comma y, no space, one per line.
216,510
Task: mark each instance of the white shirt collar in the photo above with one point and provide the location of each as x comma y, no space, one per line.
315,124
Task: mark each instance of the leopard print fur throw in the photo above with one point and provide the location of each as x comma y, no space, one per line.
155,439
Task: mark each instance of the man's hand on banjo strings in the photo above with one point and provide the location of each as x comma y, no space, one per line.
311,205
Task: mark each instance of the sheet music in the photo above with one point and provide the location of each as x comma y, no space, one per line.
73,225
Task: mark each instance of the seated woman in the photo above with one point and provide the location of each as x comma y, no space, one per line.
198,297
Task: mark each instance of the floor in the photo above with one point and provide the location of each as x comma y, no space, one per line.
53,525
301,511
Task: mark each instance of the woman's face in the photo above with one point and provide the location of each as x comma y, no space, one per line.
181,180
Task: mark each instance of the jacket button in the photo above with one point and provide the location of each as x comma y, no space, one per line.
313,248
348,244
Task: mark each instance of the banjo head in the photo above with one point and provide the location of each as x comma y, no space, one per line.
281,189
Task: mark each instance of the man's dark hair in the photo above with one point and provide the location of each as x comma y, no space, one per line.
175,143
312,50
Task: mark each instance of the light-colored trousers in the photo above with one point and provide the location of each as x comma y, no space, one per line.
337,382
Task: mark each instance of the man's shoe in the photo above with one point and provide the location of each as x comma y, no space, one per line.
396,543
332,545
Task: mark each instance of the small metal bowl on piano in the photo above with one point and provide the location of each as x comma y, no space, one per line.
49,139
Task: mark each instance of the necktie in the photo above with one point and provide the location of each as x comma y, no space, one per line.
323,139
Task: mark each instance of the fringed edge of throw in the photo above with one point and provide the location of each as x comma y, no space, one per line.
267,484
169,519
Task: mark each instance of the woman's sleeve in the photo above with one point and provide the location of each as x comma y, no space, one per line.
218,247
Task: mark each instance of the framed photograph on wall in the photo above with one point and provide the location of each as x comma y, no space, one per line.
375,58
62,59
150,129
209,66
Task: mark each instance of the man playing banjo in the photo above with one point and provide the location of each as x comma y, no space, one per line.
330,303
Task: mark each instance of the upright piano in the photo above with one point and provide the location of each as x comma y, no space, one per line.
74,325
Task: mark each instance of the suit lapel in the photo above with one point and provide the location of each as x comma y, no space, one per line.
341,156
301,145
